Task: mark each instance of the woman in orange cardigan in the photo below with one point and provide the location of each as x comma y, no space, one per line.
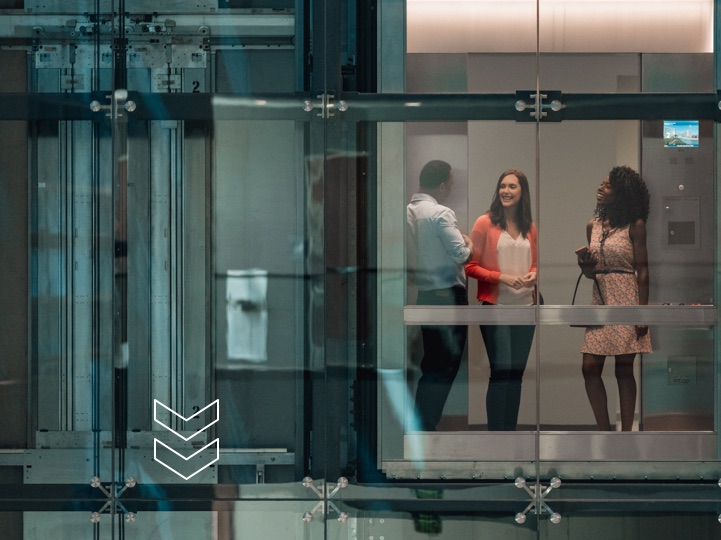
505,263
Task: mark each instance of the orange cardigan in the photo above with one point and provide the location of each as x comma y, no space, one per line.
483,266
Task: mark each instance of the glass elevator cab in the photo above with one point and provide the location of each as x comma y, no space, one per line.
208,326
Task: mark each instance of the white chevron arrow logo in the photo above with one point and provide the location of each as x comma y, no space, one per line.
169,454
215,404
216,449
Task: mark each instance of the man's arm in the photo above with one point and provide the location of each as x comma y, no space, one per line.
469,244
458,246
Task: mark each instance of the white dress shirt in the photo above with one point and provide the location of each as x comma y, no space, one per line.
436,249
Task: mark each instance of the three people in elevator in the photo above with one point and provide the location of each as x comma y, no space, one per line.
502,255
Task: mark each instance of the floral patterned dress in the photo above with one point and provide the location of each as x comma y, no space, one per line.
617,281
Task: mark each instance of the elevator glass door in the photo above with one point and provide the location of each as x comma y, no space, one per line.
571,104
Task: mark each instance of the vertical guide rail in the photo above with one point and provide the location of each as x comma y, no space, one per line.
538,116
120,238
717,258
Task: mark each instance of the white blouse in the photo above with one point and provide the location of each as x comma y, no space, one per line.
514,258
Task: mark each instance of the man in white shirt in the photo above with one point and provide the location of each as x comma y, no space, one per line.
437,251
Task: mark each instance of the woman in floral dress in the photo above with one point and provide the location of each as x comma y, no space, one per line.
617,261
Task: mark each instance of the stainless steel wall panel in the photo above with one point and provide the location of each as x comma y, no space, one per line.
468,446
559,446
132,6
628,447
195,80
66,466
82,230
50,341
678,378
694,316
139,79
70,525
58,6
194,283
105,276
141,302
257,72
454,455
159,260
178,6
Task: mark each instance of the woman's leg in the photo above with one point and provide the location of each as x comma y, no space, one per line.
521,338
595,389
497,339
626,389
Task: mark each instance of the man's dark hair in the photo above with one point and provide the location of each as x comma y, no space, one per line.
434,173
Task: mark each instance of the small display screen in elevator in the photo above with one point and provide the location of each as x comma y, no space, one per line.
678,133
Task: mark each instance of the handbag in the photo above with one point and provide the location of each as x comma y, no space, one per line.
573,300
537,297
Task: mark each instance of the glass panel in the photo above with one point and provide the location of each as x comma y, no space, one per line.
465,419
564,179
567,147
478,152
217,221
211,219
692,508
57,235
437,513
667,390
634,525
261,329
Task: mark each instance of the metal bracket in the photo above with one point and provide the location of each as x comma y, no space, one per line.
326,105
538,494
112,492
119,99
538,104
322,490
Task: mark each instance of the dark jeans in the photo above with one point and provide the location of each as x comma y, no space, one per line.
507,348
442,353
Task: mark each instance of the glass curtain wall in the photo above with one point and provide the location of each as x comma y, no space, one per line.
215,322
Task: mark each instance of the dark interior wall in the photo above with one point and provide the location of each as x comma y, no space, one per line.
13,277
14,252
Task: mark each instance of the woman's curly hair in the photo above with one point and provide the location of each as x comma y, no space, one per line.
631,200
